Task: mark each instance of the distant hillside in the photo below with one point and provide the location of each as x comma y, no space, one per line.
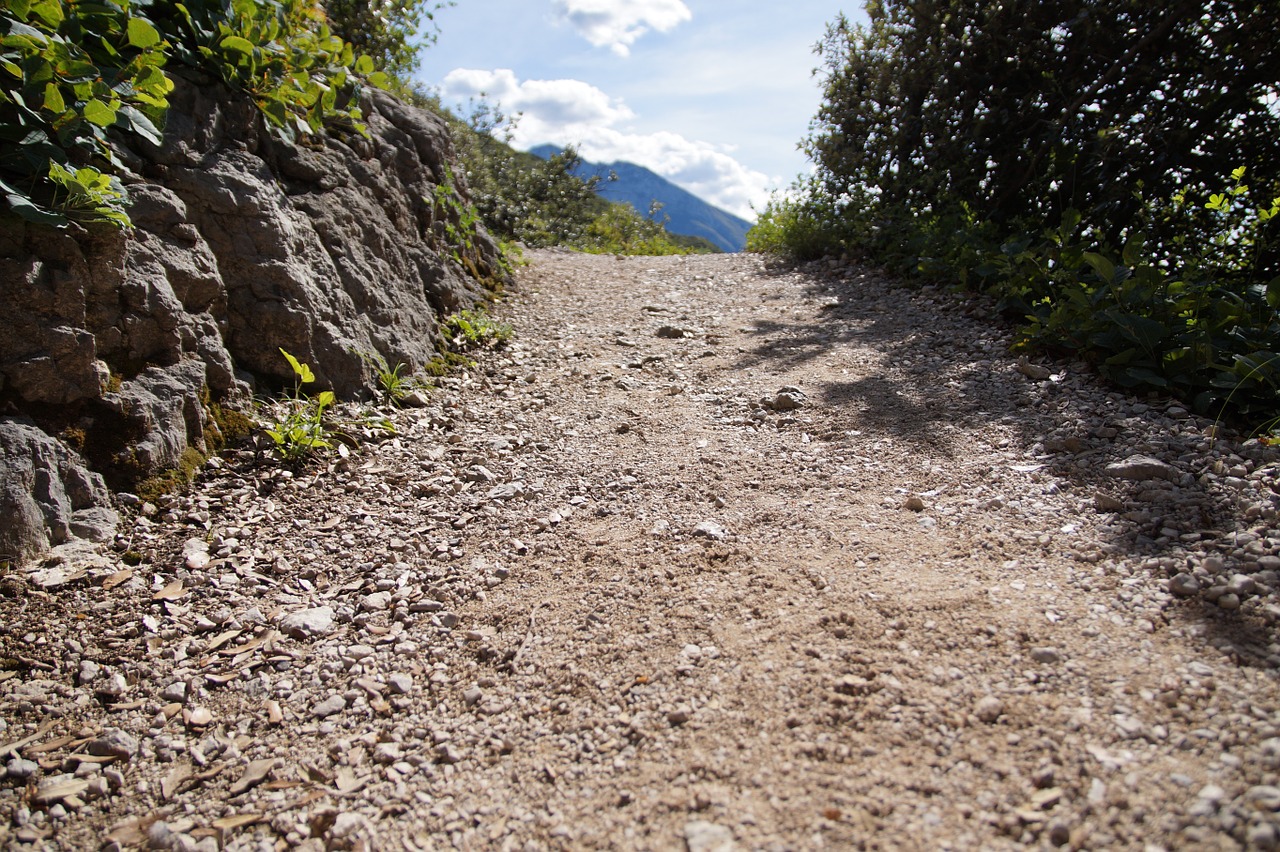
688,213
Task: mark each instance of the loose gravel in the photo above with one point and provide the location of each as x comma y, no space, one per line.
714,555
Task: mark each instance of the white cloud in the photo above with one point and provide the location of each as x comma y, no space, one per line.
571,112
543,104
618,24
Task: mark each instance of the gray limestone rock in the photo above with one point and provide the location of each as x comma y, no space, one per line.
43,484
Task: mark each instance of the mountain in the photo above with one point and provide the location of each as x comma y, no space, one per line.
687,213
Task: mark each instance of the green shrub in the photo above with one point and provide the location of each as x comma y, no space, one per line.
70,73
390,32
1065,157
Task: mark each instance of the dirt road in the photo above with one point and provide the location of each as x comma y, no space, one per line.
712,556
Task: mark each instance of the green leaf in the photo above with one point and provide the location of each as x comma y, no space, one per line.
302,371
53,98
364,65
1102,266
1238,174
99,113
131,118
237,43
142,34
77,71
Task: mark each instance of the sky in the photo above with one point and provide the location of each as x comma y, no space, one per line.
713,95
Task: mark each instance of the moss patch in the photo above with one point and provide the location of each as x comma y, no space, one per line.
444,364
173,480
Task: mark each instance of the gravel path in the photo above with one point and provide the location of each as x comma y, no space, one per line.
713,556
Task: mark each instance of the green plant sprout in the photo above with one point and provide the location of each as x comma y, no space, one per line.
300,431
393,384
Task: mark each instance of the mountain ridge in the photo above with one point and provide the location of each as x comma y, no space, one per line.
687,214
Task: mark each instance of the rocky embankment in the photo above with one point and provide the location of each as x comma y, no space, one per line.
713,555
118,348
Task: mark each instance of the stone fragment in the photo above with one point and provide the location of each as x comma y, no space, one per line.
20,769
309,623
1184,585
711,530
114,743
376,602
89,671
507,491
1141,468
1107,504
175,692
1046,656
400,683
704,836
788,398
43,484
328,707
988,709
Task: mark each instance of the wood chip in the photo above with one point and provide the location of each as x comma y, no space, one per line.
56,791
347,782
254,774
5,675
220,678
55,743
174,780
315,773
231,823
13,747
117,578
274,714
132,705
134,832
371,686
222,639
171,592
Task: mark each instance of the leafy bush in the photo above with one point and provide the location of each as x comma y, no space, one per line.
394,384
1066,157
473,328
387,31
70,73
620,229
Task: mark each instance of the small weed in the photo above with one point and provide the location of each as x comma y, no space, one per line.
393,384
472,328
299,429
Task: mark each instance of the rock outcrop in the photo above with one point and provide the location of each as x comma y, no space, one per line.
243,244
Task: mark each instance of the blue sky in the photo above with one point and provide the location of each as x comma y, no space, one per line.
712,94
